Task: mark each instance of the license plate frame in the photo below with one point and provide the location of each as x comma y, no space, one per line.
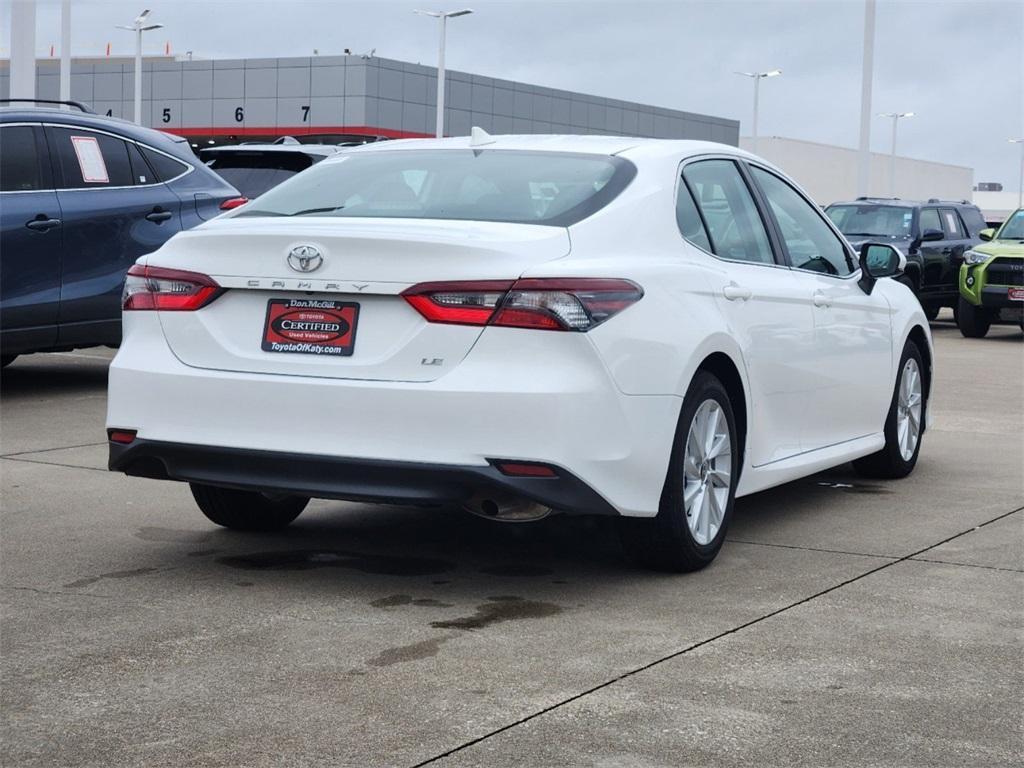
310,327
1015,294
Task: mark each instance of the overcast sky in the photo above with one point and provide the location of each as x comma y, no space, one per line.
958,65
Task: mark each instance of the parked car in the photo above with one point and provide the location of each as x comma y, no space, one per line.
992,279
934,236
670,325
255,167
81,198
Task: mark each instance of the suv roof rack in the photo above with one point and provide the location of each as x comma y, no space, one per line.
76,104
957,202
873,197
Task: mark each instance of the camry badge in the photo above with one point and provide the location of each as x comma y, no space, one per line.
305,258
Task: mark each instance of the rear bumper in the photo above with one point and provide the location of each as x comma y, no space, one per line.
326,477
517,396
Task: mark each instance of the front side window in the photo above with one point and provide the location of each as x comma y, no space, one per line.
810,242
930,220
19,160
734,227
549,188
90,160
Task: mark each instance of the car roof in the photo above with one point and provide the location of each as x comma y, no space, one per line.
84,119
896,202
600,145
309,149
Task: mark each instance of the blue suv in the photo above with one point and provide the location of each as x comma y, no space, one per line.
81,198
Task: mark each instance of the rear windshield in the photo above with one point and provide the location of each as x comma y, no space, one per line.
551,188
253,173
870,220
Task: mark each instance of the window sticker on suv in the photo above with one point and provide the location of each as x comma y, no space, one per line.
90,160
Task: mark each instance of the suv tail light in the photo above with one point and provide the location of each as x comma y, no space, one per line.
168,290
553,304
233,202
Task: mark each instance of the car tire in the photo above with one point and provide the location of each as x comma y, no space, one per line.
6,360
904,425
972,321
683,535
247,510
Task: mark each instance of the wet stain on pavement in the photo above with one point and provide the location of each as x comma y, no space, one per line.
150,533
393,601
496,610
499,609
412,652
308,559
112,575
516,569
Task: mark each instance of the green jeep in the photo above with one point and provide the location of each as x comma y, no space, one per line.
992,279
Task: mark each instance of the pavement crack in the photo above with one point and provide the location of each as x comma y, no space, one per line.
706,641
812,549
966,565
57,592
54,464
48,450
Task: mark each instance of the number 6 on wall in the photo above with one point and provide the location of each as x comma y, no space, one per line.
239,114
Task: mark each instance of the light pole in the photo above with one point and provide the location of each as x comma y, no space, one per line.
892,158
866,76
757,77
138,27
1020,184
443,17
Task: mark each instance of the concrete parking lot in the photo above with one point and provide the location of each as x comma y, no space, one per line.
845,623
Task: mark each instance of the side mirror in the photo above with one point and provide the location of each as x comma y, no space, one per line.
987,234
931,235
878,260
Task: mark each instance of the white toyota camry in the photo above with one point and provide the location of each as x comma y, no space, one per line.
519,325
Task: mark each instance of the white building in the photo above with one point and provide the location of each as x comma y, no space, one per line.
829,173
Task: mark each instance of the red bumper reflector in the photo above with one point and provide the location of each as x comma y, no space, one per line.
233,202
122,436
521,469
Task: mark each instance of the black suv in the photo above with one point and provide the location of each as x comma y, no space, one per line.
932,234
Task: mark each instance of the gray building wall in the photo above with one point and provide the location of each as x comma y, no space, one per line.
342,93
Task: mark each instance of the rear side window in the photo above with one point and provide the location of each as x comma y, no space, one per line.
141,173
515,186
733,223
165,167
952,225
253,173
19,159
90,160
688,219
973,219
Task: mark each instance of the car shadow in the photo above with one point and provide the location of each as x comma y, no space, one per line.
39,375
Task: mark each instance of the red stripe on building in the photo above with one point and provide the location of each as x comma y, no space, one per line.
302,130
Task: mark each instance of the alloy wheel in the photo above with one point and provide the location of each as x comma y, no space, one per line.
909,405
707,471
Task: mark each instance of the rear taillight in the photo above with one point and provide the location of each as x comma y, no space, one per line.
168,290
122,436
233,202
552,304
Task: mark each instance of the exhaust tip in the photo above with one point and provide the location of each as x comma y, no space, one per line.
506,509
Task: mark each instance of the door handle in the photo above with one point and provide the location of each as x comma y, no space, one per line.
820,299
733,292
158,216
42,224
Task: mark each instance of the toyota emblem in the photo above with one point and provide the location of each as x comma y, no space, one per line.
305,258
